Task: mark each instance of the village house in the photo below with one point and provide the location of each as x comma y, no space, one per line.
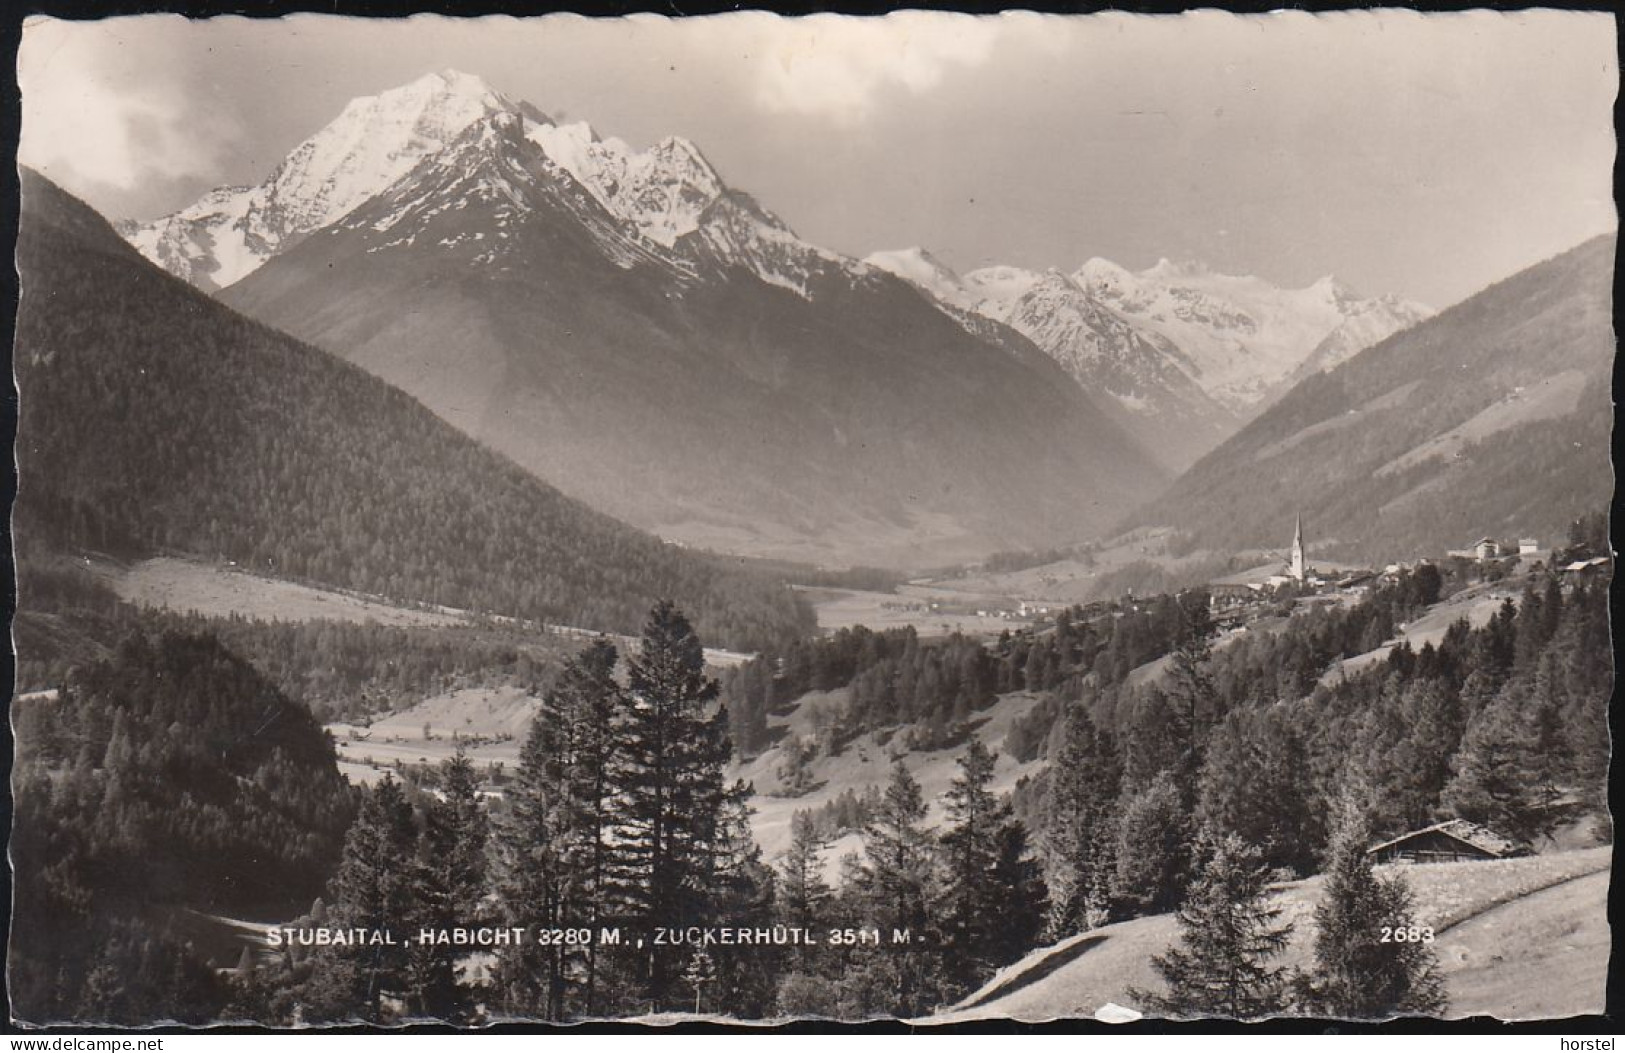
1482,550
1256,584
1586,569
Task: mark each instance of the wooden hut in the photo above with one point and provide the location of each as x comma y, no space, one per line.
1452,841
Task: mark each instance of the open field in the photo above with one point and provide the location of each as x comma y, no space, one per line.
489,723
910,605
1541,956
1477,604
1079,580
1557,917
865,762
183,585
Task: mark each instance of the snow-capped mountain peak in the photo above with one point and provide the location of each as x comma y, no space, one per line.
1002,283
1173,270
914,264
373,141
1101,272
663,191
1247,336
1178,341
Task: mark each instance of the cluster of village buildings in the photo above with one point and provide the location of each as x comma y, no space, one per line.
1296,576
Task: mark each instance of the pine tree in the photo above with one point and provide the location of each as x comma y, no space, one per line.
372,890
1019,876
1190,687
741,894
1501,779
1253,785
804,895
448,886
1228,937
670,783
1153,857
893,889
898,876
556,842
1357,973
1080,827
988,900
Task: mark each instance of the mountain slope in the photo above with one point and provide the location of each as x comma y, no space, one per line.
1180,356
658,345
1245,335
1143,375
231,231
155,786
1493,417
153,418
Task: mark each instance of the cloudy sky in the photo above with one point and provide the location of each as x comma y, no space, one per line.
1426,155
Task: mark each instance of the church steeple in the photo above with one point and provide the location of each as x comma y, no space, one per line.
1298,569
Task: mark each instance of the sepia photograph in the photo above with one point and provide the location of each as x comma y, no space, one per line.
760,520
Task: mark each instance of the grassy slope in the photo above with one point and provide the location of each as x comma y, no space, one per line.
490,723
1477,604
183,585
866,762
1557,939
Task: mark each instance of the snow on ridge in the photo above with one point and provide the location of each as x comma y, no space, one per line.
1001,282
374,141
918,267
663,196
1247,335
663,191
1237,337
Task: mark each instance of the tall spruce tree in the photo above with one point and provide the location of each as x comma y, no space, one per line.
1253,785
1190,688
804,895
1228,936
1501,778
991,903
898,875
1359,974
448,888
673,745
1080,833
894,888
741,894
372,891
556,840
1153,849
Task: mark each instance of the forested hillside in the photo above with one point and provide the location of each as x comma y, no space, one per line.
154,419
171,777
1493,417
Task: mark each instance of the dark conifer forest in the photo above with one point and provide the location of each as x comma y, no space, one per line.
153,419
170,779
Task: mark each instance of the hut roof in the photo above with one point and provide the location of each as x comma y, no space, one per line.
1481,838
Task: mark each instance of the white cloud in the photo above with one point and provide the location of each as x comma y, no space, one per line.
84,123
838,67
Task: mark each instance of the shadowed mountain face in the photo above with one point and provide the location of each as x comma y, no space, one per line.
627,327
155,419
1494,417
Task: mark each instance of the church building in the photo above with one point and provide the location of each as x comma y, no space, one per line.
1297,567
